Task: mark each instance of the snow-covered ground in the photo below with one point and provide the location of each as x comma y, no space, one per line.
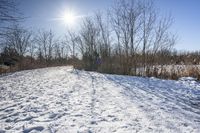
64,100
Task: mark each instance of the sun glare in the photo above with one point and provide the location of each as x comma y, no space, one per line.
69,18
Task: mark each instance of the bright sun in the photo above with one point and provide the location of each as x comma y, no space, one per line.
69,18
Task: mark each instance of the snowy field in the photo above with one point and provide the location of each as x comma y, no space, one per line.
63,100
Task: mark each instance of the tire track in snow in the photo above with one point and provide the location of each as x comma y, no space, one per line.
152,101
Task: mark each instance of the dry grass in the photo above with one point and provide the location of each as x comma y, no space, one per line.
4,69
172,71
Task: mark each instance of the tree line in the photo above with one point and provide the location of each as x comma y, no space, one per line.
131,35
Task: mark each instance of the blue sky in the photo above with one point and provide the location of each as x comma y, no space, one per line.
186,14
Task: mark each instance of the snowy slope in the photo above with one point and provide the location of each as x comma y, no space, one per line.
64,100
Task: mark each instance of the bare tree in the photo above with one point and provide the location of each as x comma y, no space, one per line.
115,23
18,39
80,46
8,14
60,53
125,18
104,41
89,34
71,42
148,20
32,49
163,40
46,43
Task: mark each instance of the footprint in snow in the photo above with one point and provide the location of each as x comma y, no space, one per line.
37,128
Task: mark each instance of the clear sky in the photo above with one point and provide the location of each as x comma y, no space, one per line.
186,13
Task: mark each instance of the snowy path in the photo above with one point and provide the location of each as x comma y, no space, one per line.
63,100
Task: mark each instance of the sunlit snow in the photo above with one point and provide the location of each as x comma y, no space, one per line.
61,99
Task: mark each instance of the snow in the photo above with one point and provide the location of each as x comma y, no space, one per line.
61,99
